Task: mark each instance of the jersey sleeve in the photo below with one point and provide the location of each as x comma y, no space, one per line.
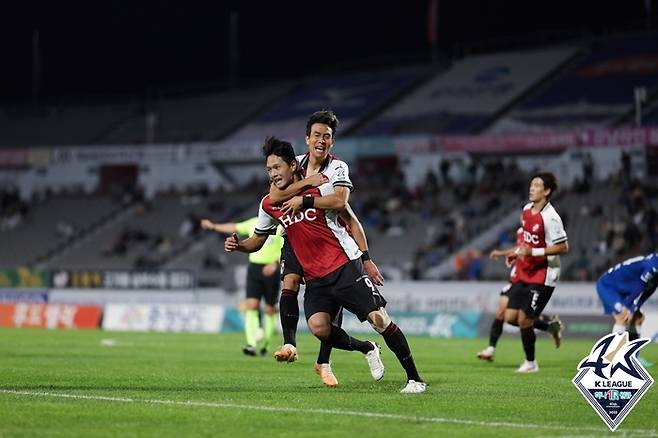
246,228
555,231
265,223
339,175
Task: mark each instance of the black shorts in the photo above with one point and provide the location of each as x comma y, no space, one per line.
504,292
289,262
260,286
348,286
531,298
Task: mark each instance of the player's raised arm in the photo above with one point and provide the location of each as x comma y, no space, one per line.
278,196
359,235
225,228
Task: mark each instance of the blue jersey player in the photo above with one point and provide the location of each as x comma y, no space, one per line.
624,288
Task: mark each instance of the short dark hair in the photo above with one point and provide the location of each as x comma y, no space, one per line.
550,181
326,117
280,148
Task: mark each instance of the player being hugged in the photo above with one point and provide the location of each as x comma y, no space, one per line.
332,266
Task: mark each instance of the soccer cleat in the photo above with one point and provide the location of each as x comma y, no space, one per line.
375,362
325,373
487,354
414,387
555,329
528,367
287,353
249,350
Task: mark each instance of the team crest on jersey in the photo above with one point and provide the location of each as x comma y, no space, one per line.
535,227
611,379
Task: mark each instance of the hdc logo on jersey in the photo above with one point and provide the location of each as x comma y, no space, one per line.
530,238
611,378
309,214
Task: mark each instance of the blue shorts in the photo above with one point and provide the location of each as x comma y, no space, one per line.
609,297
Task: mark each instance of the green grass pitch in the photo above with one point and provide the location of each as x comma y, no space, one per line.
66,383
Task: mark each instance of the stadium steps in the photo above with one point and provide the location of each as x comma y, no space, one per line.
180,257
378,111
192,255
86,234
503,218
287,89
537,88
650,105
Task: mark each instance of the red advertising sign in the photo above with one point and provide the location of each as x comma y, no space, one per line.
49,315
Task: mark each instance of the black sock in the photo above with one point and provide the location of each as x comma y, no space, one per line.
289,313
540,324
338,338
495,332
528,338
325,349
325,352
397,342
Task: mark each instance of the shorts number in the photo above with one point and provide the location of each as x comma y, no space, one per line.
535,296
369,284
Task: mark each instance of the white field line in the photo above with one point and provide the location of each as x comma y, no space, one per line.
337,412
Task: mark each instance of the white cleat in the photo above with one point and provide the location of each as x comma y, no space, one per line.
487,354
528,367
414,387
375,362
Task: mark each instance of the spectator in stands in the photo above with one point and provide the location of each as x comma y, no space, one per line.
626,169
445,172
475,267
588,169
582,266
64,229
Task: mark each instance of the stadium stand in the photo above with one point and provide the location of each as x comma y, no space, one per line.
414,232
150,232
462,98
595,90
353,97
196,118
171,119
59,125
51,224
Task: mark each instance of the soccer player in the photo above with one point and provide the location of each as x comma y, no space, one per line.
624,288
262,282
538,263
553,325
318,167
333,270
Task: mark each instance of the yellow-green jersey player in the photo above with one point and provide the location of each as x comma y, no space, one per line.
262,282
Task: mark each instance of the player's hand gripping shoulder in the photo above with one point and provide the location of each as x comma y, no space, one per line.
293,205
317,180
